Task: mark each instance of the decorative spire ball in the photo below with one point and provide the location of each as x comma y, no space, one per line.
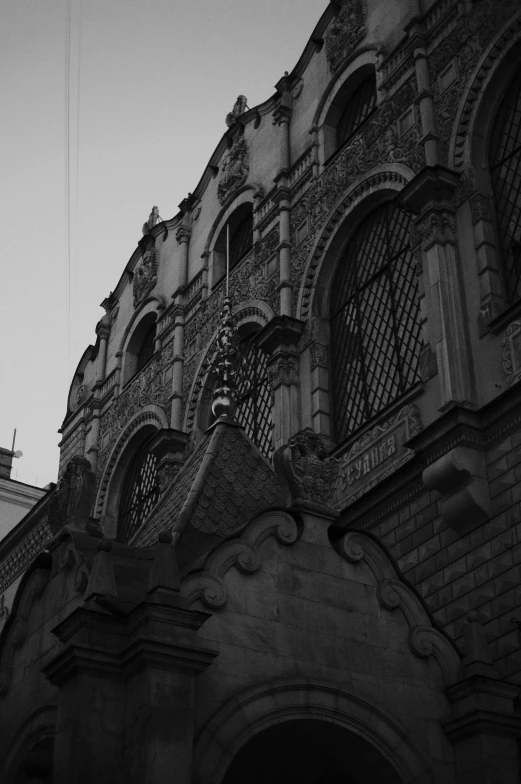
225,364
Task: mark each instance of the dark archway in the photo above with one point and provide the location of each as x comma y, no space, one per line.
309,751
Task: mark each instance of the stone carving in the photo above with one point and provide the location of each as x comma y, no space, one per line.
319,355
145,275
284,369
4,610
146,389
71,502
376,455
305,470
467,43
481,208
239,108
267,246
435,226
346,33
234,169
512,352
152,220
209,586
24,553
393,594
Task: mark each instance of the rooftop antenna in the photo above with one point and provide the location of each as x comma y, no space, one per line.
14,439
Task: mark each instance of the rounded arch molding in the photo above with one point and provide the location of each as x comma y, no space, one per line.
154,304
247,714
248,192
149,417
357,201
38,726
249,312
460,149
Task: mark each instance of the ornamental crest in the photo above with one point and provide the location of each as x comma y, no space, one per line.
307,474
346,32
235,168
145,276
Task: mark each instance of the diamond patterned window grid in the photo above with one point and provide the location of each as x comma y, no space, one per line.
375,323
139,495
505,173
254,396
359,106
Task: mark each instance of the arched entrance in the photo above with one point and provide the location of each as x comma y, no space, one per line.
309,751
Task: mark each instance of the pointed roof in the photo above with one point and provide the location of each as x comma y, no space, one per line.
222,486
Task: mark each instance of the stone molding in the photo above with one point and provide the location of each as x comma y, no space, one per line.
151,415
315,252
242,552
266,705
15,631
393,593
497,49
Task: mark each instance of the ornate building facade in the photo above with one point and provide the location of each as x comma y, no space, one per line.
323,586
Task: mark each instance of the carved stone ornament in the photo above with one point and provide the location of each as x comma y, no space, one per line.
346,32
305,470
234,169
71,502
376,455
512,352
239,108
145,275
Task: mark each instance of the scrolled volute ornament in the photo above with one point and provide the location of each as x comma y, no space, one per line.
305,469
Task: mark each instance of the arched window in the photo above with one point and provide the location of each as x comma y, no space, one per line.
254,396
240,224
359,105
140,347
375,325
505,174
146,349
139,493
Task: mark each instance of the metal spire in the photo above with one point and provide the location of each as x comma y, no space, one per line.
225,360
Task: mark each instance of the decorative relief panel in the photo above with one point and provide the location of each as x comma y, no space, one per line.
465,45
145,275
512,352
346,33
234,169
376,455
147,388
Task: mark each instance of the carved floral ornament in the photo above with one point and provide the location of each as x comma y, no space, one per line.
234,169
145,275
346,32
512,352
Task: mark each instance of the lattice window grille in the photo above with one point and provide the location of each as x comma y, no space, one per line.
375,323
505,173
139,494
358,108
254,396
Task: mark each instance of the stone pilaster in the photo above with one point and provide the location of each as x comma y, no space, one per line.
429,196
484,726
126,677
279,339
282,117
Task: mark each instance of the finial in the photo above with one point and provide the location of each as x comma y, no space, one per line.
225,363
152,220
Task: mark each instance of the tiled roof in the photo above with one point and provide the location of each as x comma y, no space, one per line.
224,484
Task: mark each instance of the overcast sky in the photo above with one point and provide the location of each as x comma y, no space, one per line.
151,82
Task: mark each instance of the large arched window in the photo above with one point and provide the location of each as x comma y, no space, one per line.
139,493
254,396
375,325
505,174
